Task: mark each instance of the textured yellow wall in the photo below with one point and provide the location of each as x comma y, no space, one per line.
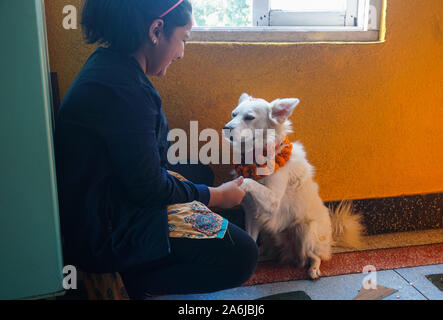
370,115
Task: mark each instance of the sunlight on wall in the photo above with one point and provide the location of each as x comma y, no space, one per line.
370,115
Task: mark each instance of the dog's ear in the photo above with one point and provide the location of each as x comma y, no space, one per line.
243,97
281,109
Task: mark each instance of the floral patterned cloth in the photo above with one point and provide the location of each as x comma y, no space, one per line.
194,220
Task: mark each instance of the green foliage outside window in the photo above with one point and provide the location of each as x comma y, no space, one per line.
222,13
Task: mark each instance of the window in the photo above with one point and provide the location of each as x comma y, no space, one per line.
287,20
312,13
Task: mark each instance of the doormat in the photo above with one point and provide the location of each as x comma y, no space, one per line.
436,279
294,295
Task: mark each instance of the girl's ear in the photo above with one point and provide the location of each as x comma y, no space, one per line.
155,30
244,97
281,109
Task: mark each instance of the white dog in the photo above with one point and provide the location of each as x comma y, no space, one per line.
286,204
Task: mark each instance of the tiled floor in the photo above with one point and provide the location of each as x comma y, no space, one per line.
411,284
402,261
353,262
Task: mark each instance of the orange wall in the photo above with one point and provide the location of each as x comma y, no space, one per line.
370,115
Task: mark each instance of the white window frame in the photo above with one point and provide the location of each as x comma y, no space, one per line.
273,25
356,11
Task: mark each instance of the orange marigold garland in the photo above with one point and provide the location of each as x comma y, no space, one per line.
250,170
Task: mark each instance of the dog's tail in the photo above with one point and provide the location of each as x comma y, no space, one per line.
347,228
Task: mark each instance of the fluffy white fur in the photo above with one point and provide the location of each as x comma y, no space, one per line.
285,206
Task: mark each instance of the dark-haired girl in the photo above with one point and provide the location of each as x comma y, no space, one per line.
110,147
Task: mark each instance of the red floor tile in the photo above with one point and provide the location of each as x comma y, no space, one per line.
353,262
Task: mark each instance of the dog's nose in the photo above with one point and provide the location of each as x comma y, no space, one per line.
228,134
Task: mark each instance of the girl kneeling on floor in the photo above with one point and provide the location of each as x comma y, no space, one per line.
121,210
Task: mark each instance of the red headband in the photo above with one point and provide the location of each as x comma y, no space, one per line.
170,9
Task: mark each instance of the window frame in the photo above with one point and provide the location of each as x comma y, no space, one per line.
262,32
263,15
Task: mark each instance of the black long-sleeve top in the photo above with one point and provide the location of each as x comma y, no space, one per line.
110,149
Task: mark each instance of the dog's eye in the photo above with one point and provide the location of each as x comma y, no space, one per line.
249,118
234,115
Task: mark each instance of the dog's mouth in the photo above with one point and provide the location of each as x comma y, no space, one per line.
243,144
242,140
238,139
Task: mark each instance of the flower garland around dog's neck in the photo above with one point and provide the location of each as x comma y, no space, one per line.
250,170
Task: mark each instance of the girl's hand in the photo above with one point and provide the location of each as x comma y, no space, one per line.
227,195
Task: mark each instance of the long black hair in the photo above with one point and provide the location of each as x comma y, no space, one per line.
124,24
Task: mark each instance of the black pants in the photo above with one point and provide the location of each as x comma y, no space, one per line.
196,266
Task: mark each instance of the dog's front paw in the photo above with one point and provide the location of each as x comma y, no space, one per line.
247,185
314,273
